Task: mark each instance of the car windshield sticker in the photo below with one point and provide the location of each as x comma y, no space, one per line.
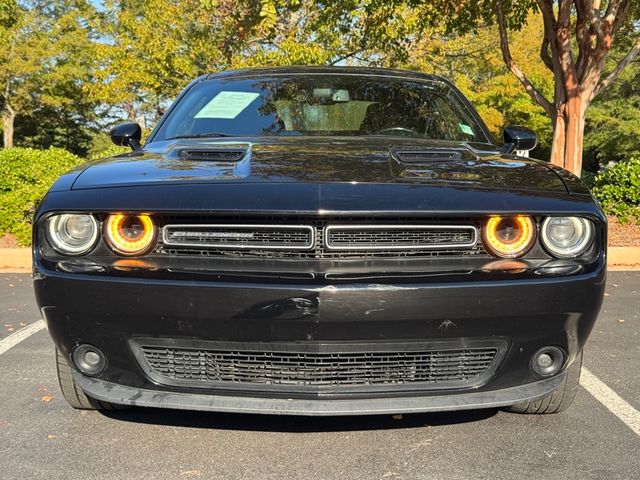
464,128
227,105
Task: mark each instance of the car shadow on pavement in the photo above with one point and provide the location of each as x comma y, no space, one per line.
295,423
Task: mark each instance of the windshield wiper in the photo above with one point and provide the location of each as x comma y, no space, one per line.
203,135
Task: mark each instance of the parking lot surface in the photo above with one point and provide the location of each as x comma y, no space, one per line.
42,438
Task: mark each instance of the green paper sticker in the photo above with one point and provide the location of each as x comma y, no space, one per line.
227,105
465,129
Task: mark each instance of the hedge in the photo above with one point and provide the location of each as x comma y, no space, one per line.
617,188
25,176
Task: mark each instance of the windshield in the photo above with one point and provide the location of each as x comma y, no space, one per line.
341,105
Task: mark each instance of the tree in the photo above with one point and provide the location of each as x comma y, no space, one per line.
590,28
578,37
613,123
45,58
474,62
147,52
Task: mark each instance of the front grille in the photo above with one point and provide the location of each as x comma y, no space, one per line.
240,236
360,366
363,239
386,237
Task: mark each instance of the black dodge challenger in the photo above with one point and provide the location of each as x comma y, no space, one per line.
320,241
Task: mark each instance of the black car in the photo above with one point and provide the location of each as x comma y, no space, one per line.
320,241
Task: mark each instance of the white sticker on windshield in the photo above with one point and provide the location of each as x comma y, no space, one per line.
227,105
464,128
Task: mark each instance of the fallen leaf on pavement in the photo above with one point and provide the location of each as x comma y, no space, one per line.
46,398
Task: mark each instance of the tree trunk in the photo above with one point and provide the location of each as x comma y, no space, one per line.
566,150
559,136
8,117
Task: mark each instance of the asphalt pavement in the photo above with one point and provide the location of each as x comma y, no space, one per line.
42,438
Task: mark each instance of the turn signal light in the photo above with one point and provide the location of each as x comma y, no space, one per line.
129,234
509,237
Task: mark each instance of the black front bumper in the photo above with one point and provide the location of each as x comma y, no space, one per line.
523,314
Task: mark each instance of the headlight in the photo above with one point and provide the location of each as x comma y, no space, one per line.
72,234
129,234
567,237
509,237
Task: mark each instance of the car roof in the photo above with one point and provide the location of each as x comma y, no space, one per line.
307,69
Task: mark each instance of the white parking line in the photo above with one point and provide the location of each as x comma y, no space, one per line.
22,334
610,399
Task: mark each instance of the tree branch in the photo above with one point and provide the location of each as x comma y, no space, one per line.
545,56
594,19
550,25
609,79
583,35
511,64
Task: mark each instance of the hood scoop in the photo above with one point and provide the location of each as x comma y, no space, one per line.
425,155
212,154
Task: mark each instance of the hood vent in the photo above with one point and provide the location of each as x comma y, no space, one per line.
213,155
426,155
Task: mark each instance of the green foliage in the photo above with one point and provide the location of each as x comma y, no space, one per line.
101,147
618,190
25,176
109,151
474,62
613,123
46,57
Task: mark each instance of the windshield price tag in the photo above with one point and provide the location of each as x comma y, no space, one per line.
227,105
464,128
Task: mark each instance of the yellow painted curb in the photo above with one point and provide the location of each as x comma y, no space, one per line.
624,257
19,259
15,260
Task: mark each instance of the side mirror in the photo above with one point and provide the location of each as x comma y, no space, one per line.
519,138
127,135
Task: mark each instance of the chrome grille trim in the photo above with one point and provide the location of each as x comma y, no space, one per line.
228,230
404,246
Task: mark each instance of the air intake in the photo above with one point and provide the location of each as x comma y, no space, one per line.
213,155
426,155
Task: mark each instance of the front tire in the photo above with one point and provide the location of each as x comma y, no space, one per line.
558,400
74,394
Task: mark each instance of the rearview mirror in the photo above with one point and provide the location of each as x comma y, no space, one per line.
127,135
519,138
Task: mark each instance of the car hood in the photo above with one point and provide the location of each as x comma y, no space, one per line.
324,160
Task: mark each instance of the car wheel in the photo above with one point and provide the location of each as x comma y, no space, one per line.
558,400
74,394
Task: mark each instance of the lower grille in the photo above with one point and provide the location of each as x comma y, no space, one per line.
277,366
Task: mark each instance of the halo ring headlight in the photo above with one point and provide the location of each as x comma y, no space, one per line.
72,233
509,236
566,237
129,234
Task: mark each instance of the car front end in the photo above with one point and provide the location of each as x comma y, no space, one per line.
321,276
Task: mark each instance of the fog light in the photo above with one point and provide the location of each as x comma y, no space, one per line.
547,361
89,359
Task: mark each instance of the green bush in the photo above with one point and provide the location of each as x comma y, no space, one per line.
108,152
25,176
618,190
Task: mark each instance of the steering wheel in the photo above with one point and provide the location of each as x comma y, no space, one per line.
409,132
